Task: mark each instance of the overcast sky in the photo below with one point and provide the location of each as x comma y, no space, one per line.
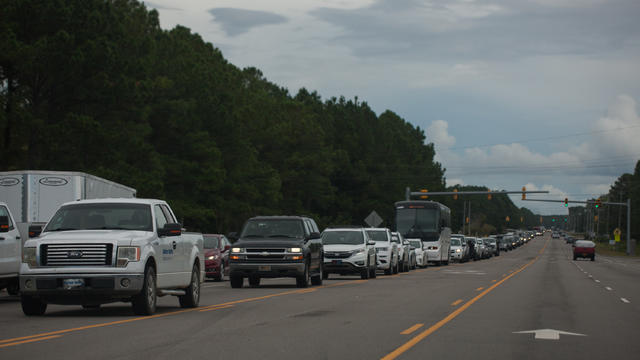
541,93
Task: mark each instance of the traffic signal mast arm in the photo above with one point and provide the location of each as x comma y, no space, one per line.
579,202
475,193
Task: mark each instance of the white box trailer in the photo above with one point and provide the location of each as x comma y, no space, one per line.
33,195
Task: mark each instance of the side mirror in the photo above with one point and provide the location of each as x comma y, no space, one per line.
233,236
4,223
371,242
226,248
35,231
405,242
170,229
315,235
412,248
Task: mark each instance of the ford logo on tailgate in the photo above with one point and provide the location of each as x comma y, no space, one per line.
74,254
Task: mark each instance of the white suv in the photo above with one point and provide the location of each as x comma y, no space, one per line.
459,252
404,251
348,251
421,255
386,249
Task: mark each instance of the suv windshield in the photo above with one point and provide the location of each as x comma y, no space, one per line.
377,235
416,244
102,216
455,242
342,237
211,242
286,228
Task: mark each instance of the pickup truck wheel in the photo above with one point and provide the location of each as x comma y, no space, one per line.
302,281
364,274
388,271
325,275
32,306
145,302
254,281
593,258
316,280
236,281
192,297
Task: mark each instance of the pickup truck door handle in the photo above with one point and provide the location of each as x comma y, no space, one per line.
174,245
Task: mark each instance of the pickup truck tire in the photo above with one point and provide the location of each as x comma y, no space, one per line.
364,274
236,281
325,275
593,258
388,271
32,306
145,302
316,280
13,288
575,258
302,281
254,281
192,297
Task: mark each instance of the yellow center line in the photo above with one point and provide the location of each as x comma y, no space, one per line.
416,339
29,341
480,288
456,302
412,329
216,308
494,280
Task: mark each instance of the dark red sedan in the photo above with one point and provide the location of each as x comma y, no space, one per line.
584,249
216,252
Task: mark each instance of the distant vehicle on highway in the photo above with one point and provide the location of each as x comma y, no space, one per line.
404,251
216,252
387,250
483,249
584,249
492,246
459,248
348,251
277,246
429,222
555,235
94,252
421,255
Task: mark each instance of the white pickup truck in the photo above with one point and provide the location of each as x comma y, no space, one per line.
10,245
94,252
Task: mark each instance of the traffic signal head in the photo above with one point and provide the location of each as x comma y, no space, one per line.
566,202
489,195
524,195
424,196
455,196
598,203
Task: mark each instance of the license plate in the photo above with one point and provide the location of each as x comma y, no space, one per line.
69,284
584,254
337,262
264,268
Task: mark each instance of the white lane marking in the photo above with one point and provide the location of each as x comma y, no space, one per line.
547,334
625,300
591,276
608,288
597,281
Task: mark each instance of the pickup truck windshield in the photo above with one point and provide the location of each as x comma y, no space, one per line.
342,237
110,216
267,228
455,242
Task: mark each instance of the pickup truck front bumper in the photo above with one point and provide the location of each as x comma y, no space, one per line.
81,289
266,270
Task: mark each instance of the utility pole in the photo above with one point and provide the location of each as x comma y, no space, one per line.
469,227
464,216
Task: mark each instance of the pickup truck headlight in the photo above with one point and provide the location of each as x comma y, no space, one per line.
237,250
127,254
295,250
457,250
29,256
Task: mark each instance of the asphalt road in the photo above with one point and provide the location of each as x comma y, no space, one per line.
462,311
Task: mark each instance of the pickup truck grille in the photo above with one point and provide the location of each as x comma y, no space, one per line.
76,254
265,255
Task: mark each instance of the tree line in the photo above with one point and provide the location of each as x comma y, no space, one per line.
97,86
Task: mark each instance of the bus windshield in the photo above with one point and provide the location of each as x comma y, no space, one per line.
412,222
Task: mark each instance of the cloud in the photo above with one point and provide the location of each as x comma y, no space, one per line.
580,172
238,21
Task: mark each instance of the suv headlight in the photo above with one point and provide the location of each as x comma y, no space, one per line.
212,257
29,256
127,254
458,250
358,251
237,250
294,250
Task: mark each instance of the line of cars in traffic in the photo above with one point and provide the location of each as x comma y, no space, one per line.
466,248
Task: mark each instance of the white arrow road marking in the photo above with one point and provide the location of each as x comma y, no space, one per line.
608,288
625,300
547,334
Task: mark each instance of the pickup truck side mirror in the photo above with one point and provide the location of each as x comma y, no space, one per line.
226,248
35,231
405,242
315,235
170,229
4,223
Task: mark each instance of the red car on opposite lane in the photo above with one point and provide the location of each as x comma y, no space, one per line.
216,252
